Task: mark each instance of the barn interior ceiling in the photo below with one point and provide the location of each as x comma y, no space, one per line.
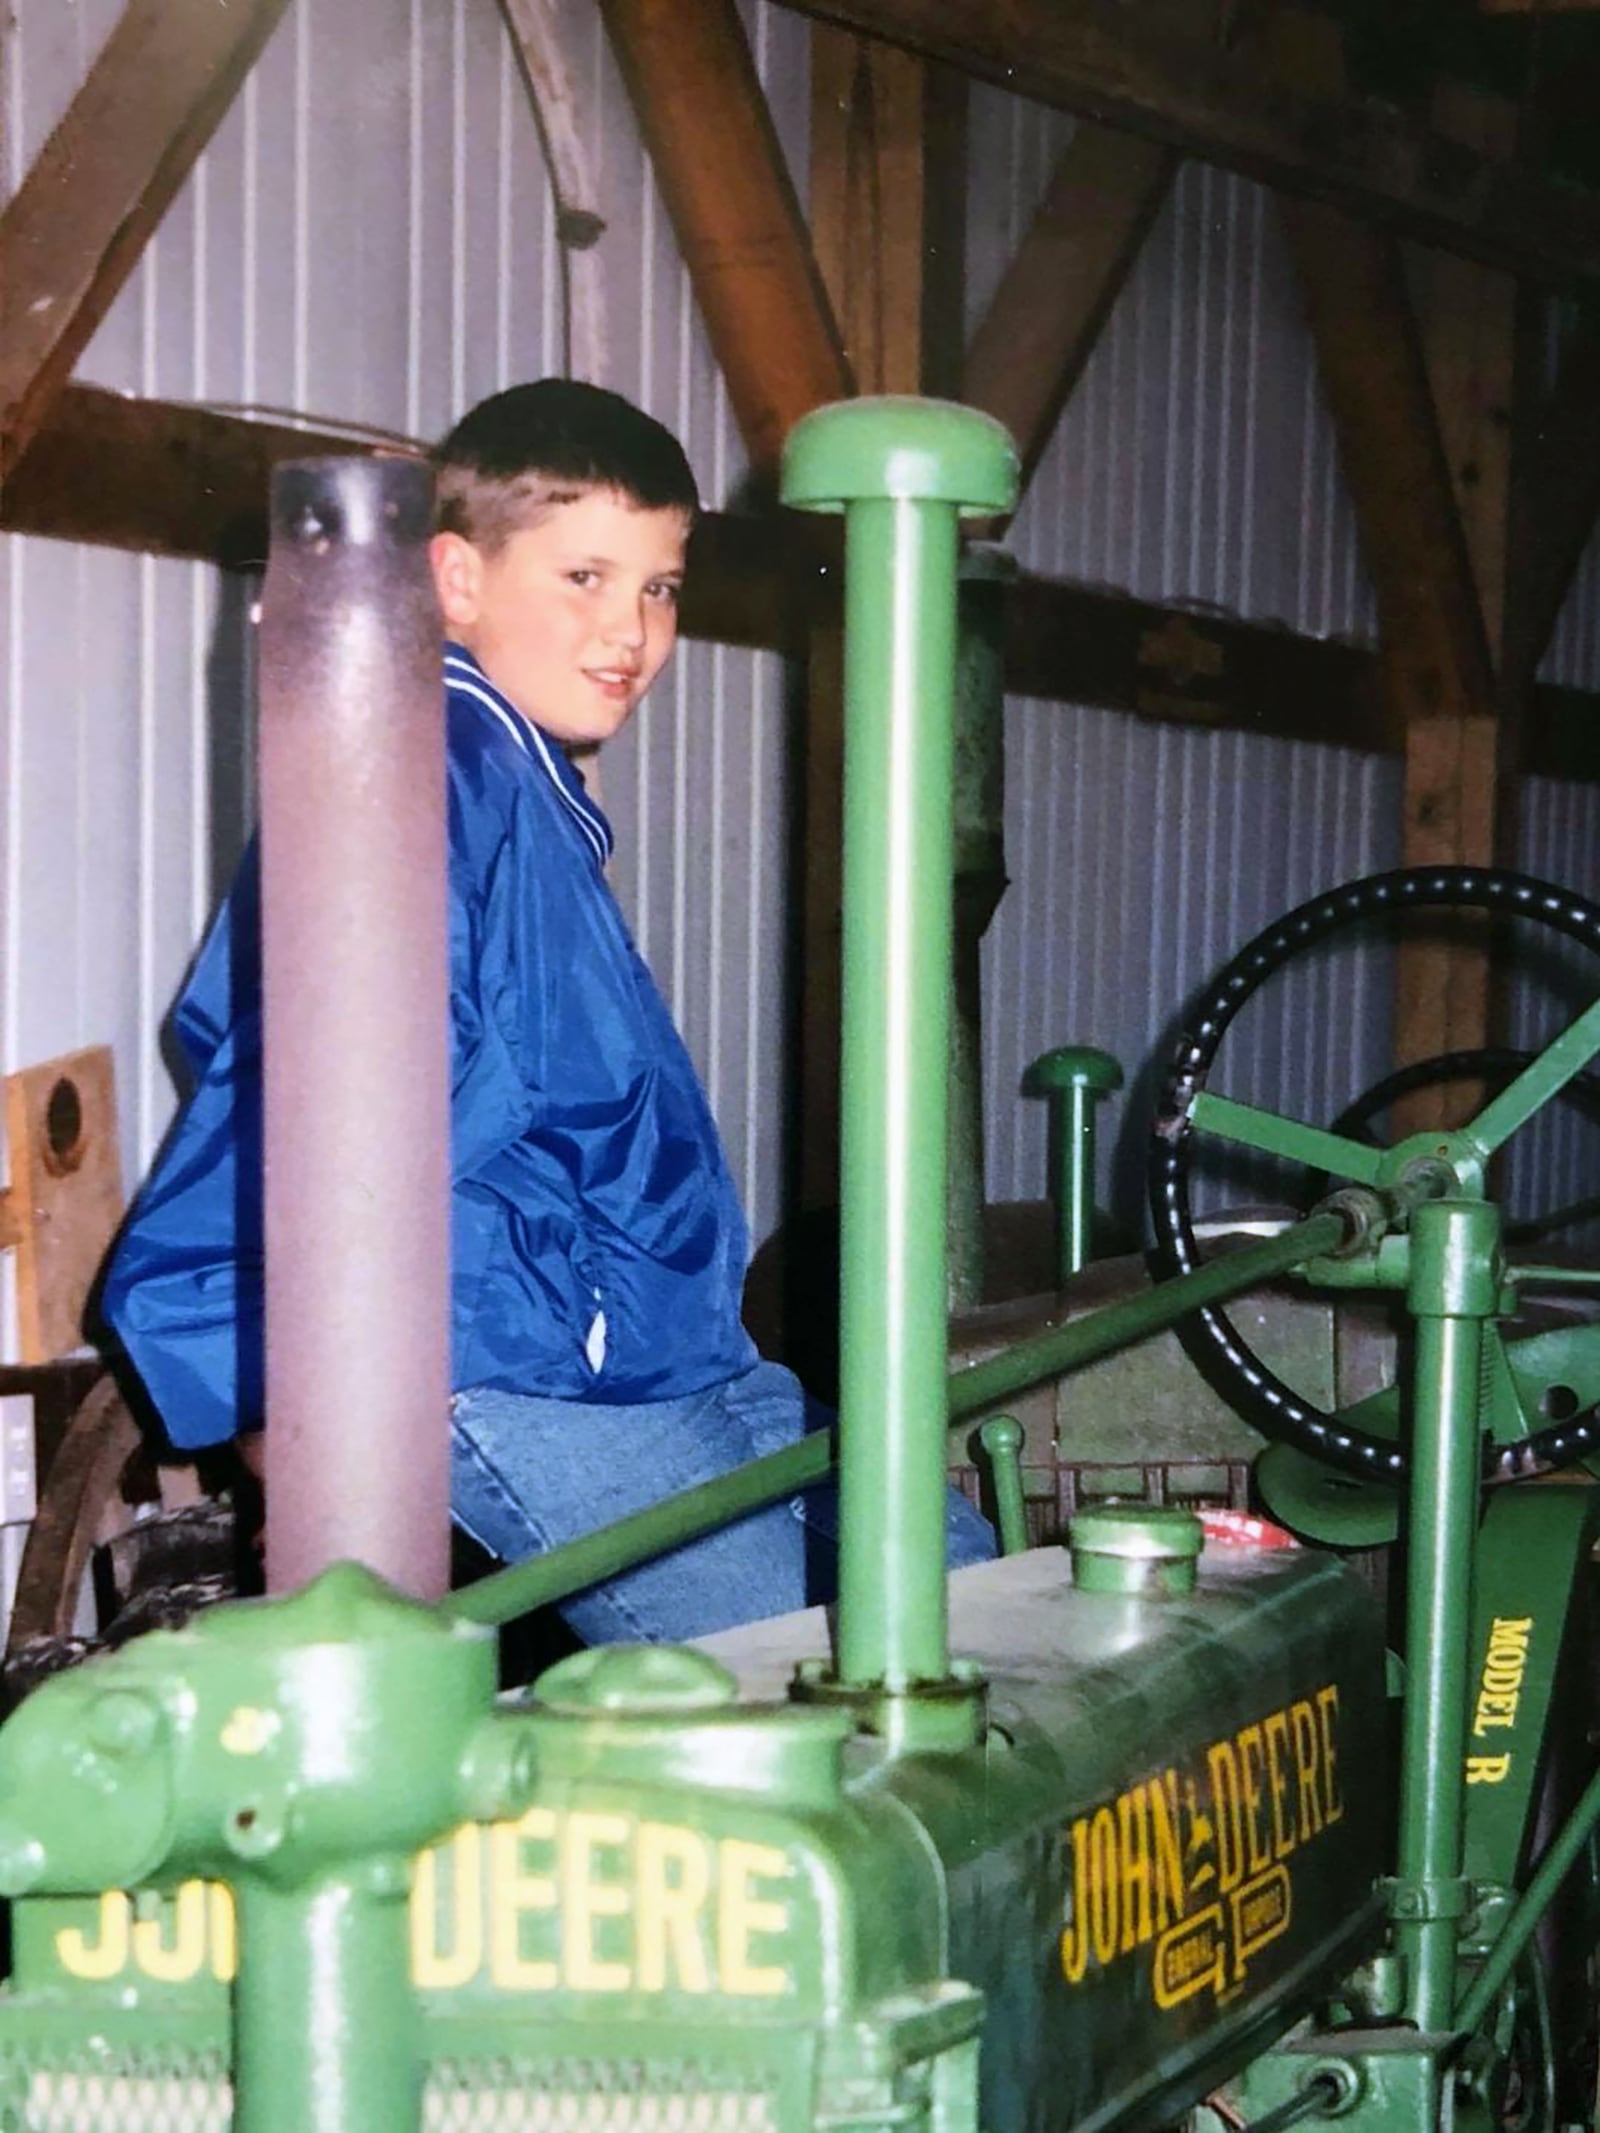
1452,126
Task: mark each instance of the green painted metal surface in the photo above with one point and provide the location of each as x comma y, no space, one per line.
1531,1553
1002,1441
1076,1078
901,471
1067,1347
734,1910
1455,1288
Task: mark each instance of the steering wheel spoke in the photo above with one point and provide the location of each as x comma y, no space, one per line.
1543,1077
1274,1134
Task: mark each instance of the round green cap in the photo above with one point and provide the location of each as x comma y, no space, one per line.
1076,1066
1137,1532
623,1678
927,451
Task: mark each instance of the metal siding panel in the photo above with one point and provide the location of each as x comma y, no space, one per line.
1194,463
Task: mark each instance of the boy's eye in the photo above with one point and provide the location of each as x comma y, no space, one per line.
666,590
583,577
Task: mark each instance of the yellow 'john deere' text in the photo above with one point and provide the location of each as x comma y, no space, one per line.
1193,1860
555,1902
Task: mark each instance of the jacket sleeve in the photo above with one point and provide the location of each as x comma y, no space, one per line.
494,973
183,1288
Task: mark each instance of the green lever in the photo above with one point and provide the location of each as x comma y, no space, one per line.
1074,1079
1001,1438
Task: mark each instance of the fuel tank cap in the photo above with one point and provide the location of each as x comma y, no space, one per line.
1135,1547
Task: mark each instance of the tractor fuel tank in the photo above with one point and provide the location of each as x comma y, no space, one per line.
1169,1842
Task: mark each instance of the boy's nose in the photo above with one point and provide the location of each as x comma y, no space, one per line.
625,624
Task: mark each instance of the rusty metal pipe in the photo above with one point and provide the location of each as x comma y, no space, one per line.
354,996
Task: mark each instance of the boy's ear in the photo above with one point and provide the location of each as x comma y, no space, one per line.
457,577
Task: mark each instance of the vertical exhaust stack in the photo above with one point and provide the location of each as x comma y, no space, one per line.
902,471
355,1002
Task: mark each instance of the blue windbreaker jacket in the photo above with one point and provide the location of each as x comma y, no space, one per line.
598,1245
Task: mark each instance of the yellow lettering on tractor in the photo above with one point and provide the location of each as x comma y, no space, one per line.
1147,1868
1505,1664
580,1902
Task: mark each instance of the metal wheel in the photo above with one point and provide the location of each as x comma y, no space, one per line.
94,1505
1260,1395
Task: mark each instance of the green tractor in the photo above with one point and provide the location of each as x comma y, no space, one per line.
1127,1832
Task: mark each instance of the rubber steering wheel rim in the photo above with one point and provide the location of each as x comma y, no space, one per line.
1498,1063
1213,1340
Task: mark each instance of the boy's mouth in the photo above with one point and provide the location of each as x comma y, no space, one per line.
615,681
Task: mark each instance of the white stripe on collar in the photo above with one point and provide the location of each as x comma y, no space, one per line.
463,673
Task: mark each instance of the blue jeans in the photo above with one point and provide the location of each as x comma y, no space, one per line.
527,1474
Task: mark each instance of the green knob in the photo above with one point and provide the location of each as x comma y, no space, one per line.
917,451
1076,1066
1135,1548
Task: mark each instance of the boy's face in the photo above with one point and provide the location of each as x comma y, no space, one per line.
573,618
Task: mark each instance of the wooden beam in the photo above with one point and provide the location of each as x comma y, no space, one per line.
1438,683
1056,295
72,233
160,479
1555,497
743,239
153,476
1469,317
1209,100
888,201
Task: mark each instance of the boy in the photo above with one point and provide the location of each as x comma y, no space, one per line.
598,1248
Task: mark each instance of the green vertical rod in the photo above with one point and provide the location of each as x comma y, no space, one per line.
1074,1078
1453,1291
1075,1167
325,2021
1001,1437
900,564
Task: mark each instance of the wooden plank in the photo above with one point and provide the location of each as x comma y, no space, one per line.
154,476
162,479
1555,496
73,231
1208,99
1468,317
868,174
1039,331
65,1197
744,242
1438,683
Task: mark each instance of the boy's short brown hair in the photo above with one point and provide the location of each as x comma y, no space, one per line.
515,454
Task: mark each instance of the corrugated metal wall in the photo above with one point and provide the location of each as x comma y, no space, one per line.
369,238
1195,463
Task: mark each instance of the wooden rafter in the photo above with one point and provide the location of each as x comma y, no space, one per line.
887,208
720,166
1555,498
163,479
1438,682
1056,295
74,230
1216,103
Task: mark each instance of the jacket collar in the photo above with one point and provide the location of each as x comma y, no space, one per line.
463,674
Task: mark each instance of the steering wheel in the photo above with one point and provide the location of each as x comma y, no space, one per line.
1255,1389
